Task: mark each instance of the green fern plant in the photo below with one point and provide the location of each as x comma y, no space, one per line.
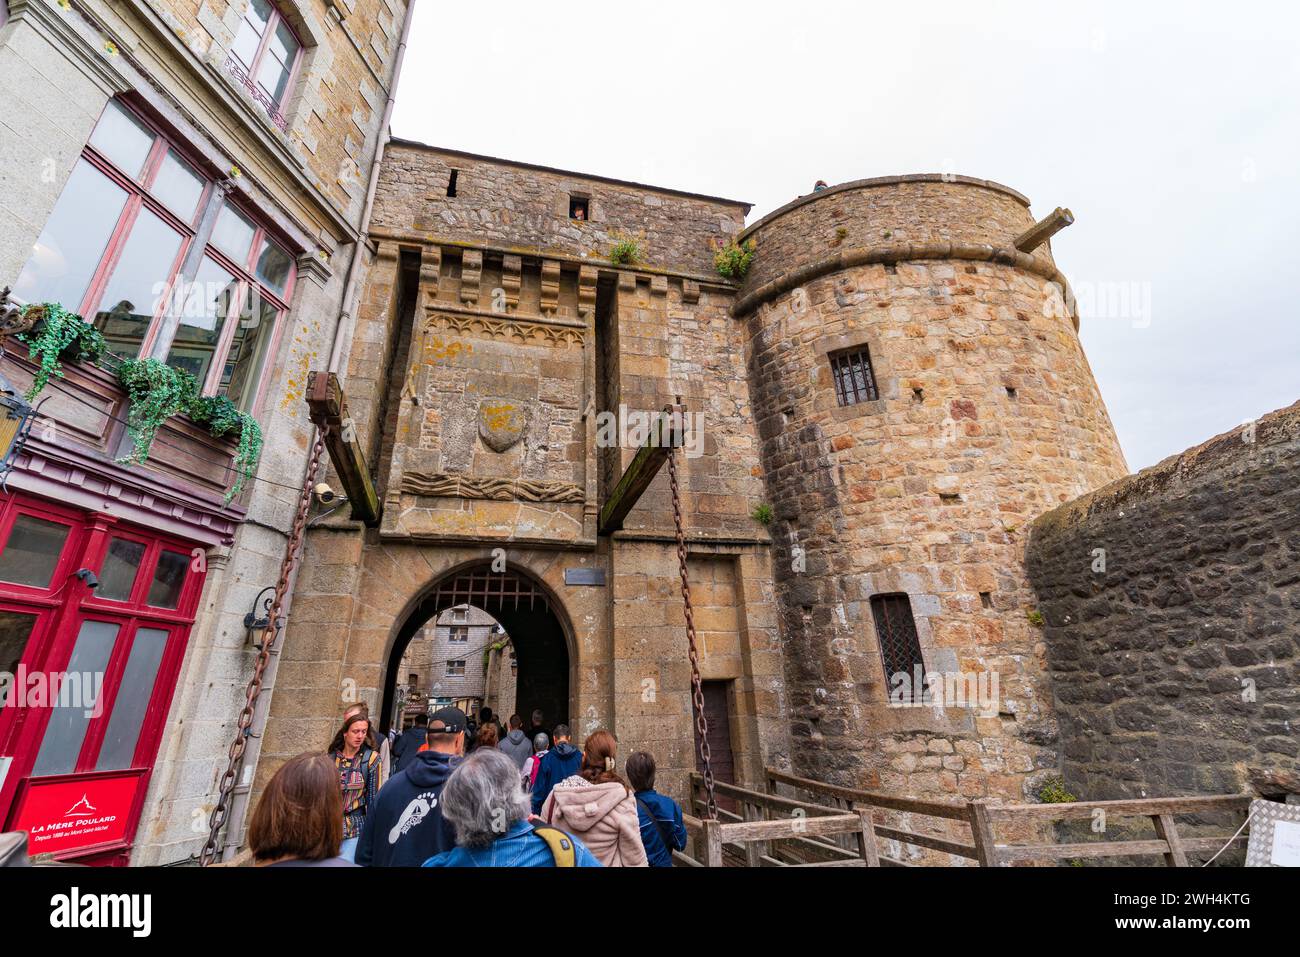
58,336
626,251
762,513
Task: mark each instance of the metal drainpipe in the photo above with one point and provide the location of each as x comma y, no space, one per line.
253,749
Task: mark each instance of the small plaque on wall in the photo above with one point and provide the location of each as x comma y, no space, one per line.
584,576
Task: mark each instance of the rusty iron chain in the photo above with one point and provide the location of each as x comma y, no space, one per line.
701,722
254,689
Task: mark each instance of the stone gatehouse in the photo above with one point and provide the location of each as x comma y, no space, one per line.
888,399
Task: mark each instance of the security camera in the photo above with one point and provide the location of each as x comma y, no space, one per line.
87,576
325,495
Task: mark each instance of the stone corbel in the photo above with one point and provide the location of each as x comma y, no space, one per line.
587,291
471,275
315,266
550,286
626,281
512,268
430,272
690,290
658,285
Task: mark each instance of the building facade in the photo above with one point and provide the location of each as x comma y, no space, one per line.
190,177
449,663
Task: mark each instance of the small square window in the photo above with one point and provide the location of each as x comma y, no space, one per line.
854,380
455,668
459,635
579,207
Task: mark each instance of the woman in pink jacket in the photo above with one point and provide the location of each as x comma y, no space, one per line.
597,806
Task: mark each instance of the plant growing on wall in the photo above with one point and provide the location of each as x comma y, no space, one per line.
1035,617
58,336
732,259
763,514
1053,792
626,250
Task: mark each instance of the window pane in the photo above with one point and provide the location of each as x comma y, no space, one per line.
120,565
178,187
74,239
137,284
245,45
133,694
233,234
123,139
247,354
15,628
168,577
273,77
273,266
283,45
32,551
76,699
258,13
206,306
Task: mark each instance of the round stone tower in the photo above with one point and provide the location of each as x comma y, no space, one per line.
921,395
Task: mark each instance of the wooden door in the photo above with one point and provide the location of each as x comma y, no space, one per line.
717,694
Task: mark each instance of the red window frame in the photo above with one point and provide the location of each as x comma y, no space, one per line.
62,608
272,23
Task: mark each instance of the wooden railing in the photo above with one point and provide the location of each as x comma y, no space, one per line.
829,825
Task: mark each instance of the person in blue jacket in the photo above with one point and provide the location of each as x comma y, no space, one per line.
662,829
489,811
559,763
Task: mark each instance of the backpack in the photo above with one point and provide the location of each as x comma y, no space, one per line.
537,763
561,845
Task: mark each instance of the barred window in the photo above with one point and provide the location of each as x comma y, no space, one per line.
854,380
455,668
900,650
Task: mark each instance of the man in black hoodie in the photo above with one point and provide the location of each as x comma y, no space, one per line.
406,827
408,744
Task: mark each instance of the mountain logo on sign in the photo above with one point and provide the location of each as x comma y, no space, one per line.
82,808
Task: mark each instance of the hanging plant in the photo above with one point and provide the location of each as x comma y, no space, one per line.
59,336
221,417
156,392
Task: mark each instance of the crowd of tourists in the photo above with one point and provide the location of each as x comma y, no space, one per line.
449,792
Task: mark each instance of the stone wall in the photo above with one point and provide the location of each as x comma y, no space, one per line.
1171,601
525,208
987,416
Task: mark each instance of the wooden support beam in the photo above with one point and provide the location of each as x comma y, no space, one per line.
327,408
1044,229
665,436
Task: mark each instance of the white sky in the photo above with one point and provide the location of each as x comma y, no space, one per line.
1171,130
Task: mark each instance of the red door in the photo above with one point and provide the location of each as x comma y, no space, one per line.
91,671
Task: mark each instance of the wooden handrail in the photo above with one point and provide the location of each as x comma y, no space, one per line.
1136,807
950,810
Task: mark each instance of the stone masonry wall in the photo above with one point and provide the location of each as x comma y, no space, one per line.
1172,607
987,415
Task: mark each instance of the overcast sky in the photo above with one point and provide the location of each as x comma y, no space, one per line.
1171,130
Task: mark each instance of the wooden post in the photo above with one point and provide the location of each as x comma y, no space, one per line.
754,850
328,409
712,842
1044,229
1168,831
867,837
981,828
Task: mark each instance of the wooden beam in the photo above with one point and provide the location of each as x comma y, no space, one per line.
664,437
1044,229
327,408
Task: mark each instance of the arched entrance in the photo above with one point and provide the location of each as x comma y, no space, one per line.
530,615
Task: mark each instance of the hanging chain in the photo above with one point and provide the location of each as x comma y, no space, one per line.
701,722
291,548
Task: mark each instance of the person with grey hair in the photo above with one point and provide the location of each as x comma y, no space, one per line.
541,744
489,812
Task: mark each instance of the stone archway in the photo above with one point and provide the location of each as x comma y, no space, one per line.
529,612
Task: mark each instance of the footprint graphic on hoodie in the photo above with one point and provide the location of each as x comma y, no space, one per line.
415,812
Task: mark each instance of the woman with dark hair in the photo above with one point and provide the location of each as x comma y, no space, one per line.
597,806
357,764
298,821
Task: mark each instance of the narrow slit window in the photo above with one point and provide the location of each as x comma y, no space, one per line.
451,183
854,380
900,649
